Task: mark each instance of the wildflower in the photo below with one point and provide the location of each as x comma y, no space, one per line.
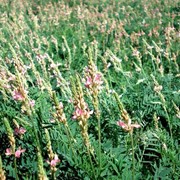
32,103
97,79
17,95
93,78
19,131
81,114
18,152
93,81
8,152
88,82
127,127
54,161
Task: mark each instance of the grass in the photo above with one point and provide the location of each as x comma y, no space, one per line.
89,89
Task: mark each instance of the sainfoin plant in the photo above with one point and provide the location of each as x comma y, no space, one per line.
89,90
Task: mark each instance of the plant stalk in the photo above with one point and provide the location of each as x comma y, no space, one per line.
133,160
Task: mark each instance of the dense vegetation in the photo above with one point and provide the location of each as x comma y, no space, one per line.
89,89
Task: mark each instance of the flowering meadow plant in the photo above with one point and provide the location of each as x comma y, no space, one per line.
17,153
89,89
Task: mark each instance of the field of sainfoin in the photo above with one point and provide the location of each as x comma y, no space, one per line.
89,89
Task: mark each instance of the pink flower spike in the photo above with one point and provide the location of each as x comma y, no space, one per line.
18,152
8,152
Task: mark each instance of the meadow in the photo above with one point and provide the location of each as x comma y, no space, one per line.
89,89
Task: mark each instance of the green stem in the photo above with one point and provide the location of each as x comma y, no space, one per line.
133,162
99,140
35,133
15,167
90,159
96,105
53,175
70,137
169,124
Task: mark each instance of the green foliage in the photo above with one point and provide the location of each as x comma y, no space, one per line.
44,45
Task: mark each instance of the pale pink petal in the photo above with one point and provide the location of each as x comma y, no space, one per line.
22,130
32,103
17,95
19,131
88,82
53,163
16,131
56,158
135,125
122,124
8,152
18,152
74,117
79,112
97,77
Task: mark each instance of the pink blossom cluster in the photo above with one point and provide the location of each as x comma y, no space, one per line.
18,95
54,161
93,78
17,152
127,127
19,131
93,81
82,113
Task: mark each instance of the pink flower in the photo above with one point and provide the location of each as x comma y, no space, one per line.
54,161
97,79
18,152
80,113
32,103
8,152
122,124
19,131
88,82
93,81
127,127
18,96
